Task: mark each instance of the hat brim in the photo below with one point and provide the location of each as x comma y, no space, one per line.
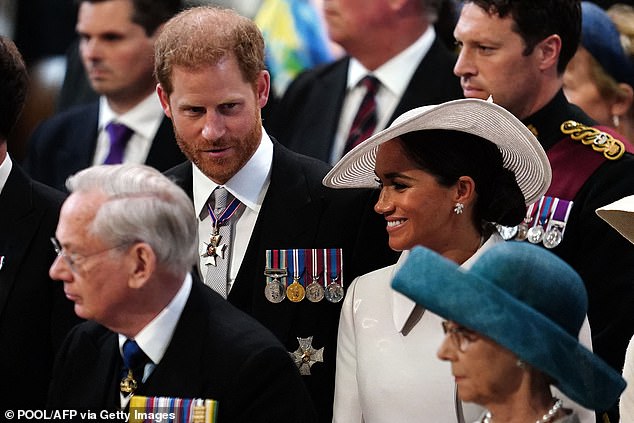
521,151
440,286
620,215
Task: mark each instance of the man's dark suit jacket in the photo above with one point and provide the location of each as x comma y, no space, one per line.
216,352
66,143
299,212
35,316
307,117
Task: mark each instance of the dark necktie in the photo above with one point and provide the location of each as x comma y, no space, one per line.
119,135
365,121
134,361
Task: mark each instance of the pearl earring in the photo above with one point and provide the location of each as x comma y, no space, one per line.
458,208
616,121
519,363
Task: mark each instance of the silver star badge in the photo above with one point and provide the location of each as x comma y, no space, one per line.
213,249
305,356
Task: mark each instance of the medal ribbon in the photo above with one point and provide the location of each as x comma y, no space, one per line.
535,217
562,211
545,210
295,260
226,214
333,271
317,263
275,260
529,213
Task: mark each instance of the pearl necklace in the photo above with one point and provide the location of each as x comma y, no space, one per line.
545,418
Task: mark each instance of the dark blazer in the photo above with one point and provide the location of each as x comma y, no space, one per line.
299,212
307,117
216,352
35,316
65,144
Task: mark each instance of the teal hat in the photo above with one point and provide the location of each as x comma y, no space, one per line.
527,300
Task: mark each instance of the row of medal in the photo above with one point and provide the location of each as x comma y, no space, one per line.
545,223
316,273
184,410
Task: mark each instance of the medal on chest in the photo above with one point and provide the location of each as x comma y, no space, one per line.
216,247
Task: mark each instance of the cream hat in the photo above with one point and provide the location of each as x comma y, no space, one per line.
521,151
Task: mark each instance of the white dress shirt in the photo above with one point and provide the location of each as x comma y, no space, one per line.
154,338
249,186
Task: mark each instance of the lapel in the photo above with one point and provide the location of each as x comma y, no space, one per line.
433,81
281,223
94,374
77,150
164,152
322,119
179,374
18,225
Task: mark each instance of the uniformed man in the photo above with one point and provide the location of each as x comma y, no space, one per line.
516,52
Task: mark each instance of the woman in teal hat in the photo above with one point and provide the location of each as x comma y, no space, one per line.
511,331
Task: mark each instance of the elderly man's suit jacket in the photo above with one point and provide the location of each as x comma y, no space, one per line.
216,352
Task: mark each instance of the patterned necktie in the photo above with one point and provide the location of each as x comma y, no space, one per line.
134,361
365,121
119,135
217,276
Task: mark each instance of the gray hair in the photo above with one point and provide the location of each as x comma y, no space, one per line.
143,205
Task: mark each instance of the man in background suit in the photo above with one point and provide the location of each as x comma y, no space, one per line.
213,84
116,46
34,314
126,244
394,42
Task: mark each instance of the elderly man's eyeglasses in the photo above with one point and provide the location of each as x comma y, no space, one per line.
460,336
74,259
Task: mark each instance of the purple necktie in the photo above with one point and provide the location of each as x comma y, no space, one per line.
365,121
119,135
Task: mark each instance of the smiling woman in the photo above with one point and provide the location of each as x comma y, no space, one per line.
446,173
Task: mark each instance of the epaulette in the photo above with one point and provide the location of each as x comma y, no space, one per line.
600,141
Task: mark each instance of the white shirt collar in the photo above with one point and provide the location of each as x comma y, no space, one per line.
248,185
5,169
143,119
396,73
154,338
402,306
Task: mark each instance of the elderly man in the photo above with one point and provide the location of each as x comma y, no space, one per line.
125,243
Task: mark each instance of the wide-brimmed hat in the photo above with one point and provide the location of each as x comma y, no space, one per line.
521,152
527,300
620,215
